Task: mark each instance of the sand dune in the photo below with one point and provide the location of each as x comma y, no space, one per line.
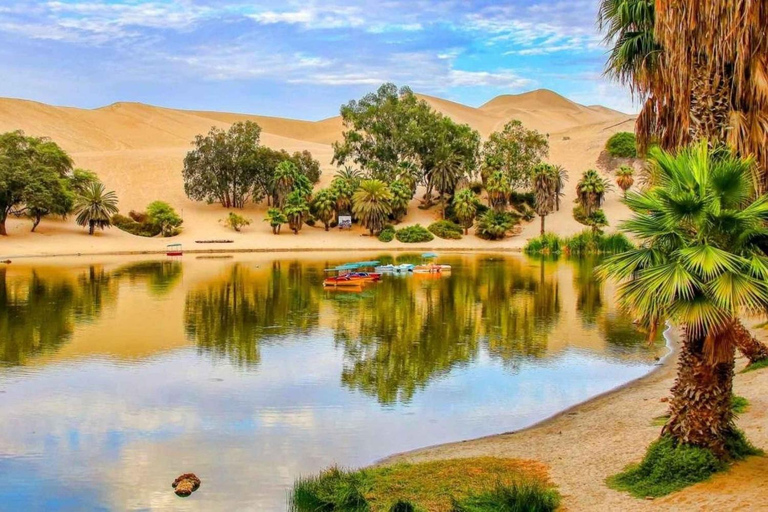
138,151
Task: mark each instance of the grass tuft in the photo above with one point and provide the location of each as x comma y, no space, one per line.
333,489
739,404
583,244
759,365
525,496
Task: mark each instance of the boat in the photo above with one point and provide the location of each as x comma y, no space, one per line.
395,269
365,276
174,250
429,267
344,281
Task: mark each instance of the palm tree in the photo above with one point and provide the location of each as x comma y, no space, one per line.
591,190
284,177
545,180
445,174
296,209
465,208
499,189
402,193
625,178
324,207
276,219
371,204
699,266
562,179
95,207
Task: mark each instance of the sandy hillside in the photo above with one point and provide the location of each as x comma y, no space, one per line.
138,150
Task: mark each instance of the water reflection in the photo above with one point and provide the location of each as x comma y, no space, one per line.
135,371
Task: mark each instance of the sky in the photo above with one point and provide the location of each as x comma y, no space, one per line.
298,58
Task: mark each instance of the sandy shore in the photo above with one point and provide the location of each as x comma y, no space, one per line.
587,443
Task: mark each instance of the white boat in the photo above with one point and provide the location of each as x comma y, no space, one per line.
395,269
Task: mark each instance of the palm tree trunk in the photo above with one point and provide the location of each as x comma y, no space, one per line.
748,345
91,227
3,231
700,408
542,223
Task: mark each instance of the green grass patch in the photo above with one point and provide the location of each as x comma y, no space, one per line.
414,235
471,485
759,365
585,243
669,467
660,421
739,404
446,229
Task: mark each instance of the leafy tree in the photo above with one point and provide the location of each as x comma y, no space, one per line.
287,179
81,179
402,194
47,194
372,204
545,181
625,178
165,217
223,166
699,266
276,219
296,210
465,208
307,166
95,207
324,207
236,221
514,151
499,189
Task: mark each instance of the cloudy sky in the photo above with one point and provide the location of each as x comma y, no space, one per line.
298,58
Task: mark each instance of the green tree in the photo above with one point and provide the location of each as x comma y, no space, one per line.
236,221
499,189
223,166
402,193
276,219
324,207
699,266
545,182
372,204
47,194
287,179
296,210
514,151
162,215
95,207
591,190
622,145
465,208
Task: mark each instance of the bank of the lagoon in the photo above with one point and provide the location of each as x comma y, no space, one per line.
119,374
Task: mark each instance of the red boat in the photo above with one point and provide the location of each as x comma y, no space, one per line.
344,281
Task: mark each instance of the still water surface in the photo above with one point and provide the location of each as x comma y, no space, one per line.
117,375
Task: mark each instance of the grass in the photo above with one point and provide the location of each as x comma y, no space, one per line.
759,365
669,467
471,485
582,244
739,405
446,230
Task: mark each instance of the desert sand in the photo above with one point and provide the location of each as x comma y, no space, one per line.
138,150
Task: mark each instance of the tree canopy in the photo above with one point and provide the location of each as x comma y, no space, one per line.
515,151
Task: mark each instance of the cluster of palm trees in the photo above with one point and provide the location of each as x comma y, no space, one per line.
548,183
700,70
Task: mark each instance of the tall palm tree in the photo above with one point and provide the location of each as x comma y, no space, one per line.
545,181
591,190
276,219
95,207
699,266
324,206
499,189
296,209
402,193
447,170
465,208
371,204
562,179
625,178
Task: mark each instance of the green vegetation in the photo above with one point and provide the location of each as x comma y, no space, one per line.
414,235
622,145
95,207
759,365
739,404
236,222
446,229
625,178
276,219
371,205
669,466
494,225
163,216
296,210
387,234
514,152
583,244
546,185
471,485
465,208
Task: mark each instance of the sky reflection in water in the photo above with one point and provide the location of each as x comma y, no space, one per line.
116,377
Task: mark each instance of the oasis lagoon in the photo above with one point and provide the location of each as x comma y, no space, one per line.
117,375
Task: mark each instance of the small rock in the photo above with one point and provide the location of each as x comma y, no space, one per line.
186,484
664,400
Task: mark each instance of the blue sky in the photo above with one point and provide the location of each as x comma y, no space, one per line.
298,58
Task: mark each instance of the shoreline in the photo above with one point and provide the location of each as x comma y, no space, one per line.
664,363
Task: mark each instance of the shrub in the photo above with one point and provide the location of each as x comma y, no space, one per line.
548,243
622,145
446,229
387,234
493,225
475,186
582,244
520,198
522,496
163,216
129,225
236,221
414,235
140,217
668,467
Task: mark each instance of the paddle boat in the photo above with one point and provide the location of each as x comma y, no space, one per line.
429,267
343,282
395,269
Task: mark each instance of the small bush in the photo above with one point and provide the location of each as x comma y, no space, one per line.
402,506
163,216
414,235
387,234
493,225
739,404
140,217
129,225
622,145
668,467
446,229
520,198
236,221
522,496
547,244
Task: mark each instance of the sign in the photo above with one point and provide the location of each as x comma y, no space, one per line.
345,222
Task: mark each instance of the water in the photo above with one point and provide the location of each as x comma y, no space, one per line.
118,375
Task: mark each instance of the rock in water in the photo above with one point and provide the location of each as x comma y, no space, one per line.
186,484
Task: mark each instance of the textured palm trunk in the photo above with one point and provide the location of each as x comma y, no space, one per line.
542,223
700,408
748,345
710,105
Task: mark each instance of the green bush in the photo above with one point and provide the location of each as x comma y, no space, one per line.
582,244
523,496
446,229
236,221
414,235
387,234
129,225
547,244
476,186
493,225
622,145
519,198
163,216
668,467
